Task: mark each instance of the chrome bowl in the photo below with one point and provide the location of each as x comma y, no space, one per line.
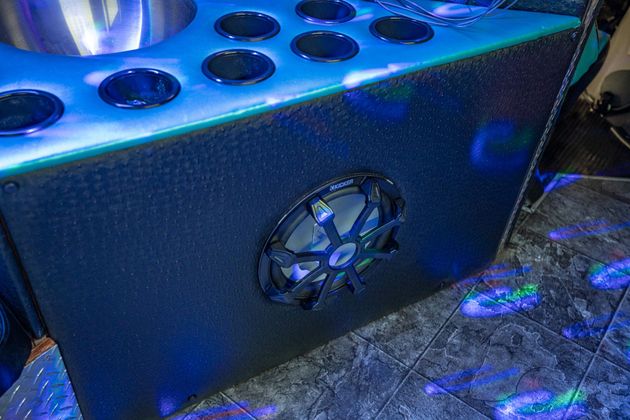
91,27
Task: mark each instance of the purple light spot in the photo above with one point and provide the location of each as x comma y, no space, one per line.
470,378
592,228
611,276
499,301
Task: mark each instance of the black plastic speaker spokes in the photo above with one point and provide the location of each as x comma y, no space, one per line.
367,245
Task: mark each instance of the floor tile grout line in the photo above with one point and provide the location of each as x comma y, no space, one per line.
626,295
391,397
439,331
237,404
595,355
412,369
546,328
451,394
400,384
538,322
588,189
377,347
602,178
565,246
583,187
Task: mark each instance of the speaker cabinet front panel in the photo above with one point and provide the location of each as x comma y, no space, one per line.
145,262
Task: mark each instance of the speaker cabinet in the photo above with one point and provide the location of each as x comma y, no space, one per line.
224,206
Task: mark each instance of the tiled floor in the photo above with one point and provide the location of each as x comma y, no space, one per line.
543,333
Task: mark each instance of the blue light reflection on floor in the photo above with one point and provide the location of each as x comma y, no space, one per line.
590,228
612,276
500,301
555,181
596,326
470,378
503,271
542,404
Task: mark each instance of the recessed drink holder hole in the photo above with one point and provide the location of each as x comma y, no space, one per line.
401,30
325,11
247,26
27,111
139,88
325,46
238,67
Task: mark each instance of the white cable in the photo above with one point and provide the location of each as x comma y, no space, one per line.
409,8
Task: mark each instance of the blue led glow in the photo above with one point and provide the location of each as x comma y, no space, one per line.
468,379
499,301
615,275
501,146
558,181
542,404
381,106
590,228
596,327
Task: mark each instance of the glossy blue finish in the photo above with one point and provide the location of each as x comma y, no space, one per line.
91,127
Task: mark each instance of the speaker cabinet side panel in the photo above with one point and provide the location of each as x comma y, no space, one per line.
144,262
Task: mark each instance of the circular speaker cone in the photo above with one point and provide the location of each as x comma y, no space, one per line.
330,239
139,88
401,30
238,67
27,111
325,46
247,26
325,11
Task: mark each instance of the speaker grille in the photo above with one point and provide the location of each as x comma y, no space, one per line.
331,239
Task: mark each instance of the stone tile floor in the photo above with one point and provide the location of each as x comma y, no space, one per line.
543,333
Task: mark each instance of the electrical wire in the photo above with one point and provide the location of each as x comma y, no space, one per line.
411,7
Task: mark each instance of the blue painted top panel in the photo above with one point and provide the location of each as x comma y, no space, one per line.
90,127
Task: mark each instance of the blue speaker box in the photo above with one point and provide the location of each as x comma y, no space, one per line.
192,192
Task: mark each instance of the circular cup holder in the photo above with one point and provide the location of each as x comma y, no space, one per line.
26,111
401,30
325,11
325,46
247,26
238,67
139,88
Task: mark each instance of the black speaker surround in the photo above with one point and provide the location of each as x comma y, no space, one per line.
330,239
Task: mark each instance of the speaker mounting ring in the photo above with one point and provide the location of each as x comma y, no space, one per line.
331,239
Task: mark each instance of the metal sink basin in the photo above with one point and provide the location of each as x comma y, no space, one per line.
91,27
